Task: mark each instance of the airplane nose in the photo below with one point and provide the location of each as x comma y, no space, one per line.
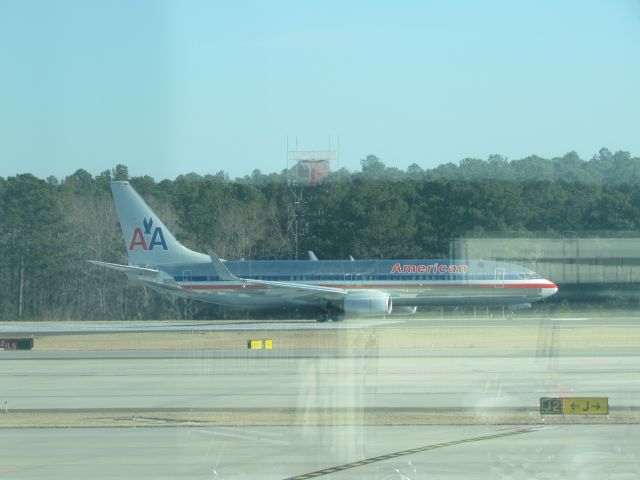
552,289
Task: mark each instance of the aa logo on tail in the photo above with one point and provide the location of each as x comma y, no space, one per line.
156,239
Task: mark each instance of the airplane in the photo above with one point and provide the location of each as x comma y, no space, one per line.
332,288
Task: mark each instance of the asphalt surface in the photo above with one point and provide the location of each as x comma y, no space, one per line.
481,321
28,328
346,385
440,452
197,379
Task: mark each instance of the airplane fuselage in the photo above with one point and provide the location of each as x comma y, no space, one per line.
335,287
407,282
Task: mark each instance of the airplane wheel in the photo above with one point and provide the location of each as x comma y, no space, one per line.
323,318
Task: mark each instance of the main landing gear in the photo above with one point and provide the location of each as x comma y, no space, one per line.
333,315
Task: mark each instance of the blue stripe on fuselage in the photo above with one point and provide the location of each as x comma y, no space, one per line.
341,270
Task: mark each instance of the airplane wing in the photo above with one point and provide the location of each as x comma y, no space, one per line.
329,293
297,290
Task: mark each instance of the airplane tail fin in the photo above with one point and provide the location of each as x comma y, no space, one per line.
148,241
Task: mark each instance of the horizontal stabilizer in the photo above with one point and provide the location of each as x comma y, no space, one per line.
126,268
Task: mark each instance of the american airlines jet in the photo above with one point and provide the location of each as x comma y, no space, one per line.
333,288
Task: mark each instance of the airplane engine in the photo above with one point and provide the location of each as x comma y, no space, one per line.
404,310
368,303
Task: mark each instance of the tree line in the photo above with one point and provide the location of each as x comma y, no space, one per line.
50,228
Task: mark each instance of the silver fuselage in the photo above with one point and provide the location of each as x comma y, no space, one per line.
430,282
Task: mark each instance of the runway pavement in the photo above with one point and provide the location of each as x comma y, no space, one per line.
383,452
356,405
449,321
307,382
29,328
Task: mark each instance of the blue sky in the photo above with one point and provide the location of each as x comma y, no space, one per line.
173,87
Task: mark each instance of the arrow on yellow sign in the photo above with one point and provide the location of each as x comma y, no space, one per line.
585,406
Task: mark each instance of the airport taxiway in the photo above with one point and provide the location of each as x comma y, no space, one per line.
183,326
419,397
307,380
442,453
449,321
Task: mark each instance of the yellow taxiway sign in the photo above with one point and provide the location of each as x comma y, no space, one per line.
574,406
585,406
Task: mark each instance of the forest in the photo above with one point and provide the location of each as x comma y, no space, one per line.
50,227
